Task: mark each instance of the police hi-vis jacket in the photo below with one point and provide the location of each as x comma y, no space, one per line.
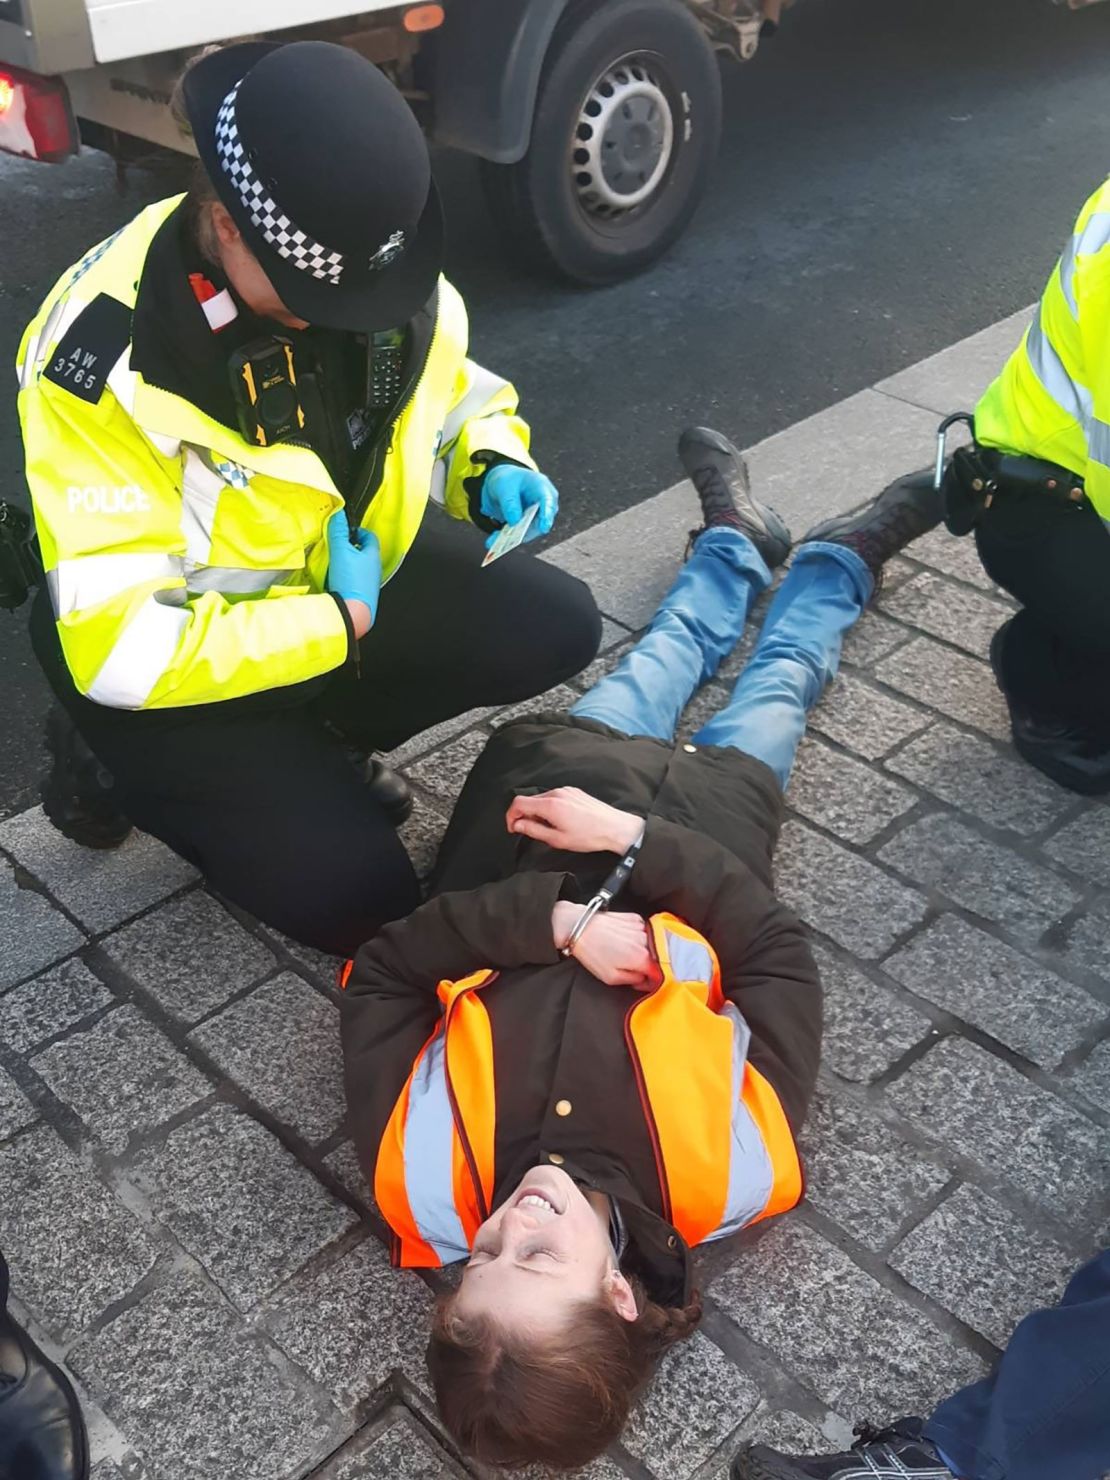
1052,399
185,564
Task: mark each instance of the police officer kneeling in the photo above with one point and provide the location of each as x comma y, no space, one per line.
221,490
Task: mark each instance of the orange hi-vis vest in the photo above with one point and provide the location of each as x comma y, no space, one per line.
724,1152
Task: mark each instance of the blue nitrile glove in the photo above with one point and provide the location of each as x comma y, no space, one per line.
508,491
354,571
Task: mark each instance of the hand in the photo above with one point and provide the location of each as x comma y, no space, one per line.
615,948
354,571
572,819
508,491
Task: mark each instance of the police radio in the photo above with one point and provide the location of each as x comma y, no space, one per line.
264,383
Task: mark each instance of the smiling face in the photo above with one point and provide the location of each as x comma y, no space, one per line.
544,1252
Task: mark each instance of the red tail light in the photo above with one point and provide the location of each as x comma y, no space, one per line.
36,120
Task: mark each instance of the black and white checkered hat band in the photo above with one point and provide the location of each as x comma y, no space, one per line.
287,240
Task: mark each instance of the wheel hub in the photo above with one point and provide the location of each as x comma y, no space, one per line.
623,141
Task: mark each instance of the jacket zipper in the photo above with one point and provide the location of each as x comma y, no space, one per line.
649,1115
464,1139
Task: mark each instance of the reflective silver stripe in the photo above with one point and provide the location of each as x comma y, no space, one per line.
1048,367
429,1140
1098,441
232,580
751,1175
690,959
201,487
1092,238
77,584
484,385
141,654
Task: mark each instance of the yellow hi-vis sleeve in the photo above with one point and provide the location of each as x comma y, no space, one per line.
108,508
482,418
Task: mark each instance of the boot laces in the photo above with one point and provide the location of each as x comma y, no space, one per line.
713,490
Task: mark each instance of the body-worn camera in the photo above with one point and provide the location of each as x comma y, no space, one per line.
20,562
264,381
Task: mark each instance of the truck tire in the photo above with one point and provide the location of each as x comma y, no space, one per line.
626,128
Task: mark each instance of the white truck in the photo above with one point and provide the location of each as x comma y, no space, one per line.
596,121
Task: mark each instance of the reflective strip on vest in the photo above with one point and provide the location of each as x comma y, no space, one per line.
423,1182
76,584
1072,398
232,580
140,655
1089,239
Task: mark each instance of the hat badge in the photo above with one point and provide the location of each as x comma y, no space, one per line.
388,252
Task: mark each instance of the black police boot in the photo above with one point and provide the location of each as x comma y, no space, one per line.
77,791
897,1453
42,1433
390,790
720,475
908,508
1073,757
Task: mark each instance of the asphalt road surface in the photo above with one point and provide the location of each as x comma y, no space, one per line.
894,176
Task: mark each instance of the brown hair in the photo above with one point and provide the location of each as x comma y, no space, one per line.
201,192
558,1402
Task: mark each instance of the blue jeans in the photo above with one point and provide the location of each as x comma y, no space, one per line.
1045,1413
700,621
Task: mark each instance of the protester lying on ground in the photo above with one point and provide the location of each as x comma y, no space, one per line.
1038,495
574,1105
1044,1414
42,1432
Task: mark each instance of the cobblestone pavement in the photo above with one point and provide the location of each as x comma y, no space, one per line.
180,1204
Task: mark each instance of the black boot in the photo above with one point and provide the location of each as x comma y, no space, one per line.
720,475
908,508
390,790
897,1453
77,791
42,1433
1073,757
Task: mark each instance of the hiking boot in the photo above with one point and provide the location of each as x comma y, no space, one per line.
1072,756
77,792
897,1453
910,507
720,475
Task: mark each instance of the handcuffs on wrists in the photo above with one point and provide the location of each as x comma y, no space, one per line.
604,896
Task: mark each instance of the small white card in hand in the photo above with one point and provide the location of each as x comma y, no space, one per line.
511,536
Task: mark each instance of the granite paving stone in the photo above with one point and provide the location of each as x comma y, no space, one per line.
856,714
103,888
73,1247
444,771
1092,1078
122,1076
429,740
191,955
786,1432
198,1396
954,557
861,1173
354,1323
281,1045
843,795
606,660
967,619
557,700
980,875
872,638
421,835
981,1263
394,1447
694,1402
33,934
344,1164
842,895
996,988
50,1004
107,1470
967,1099
867,1028
1085,942
975,776
856,1344
321,966
1083,846
960,687
239,1202
707,702
16,1110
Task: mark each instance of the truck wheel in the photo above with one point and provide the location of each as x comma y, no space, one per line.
625,131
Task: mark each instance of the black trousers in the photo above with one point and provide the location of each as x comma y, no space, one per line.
1055,558
259,793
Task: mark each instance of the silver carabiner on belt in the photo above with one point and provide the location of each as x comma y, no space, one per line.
942,441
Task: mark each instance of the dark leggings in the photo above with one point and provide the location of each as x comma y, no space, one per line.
260,795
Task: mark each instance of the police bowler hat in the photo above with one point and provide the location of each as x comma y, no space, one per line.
326,173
